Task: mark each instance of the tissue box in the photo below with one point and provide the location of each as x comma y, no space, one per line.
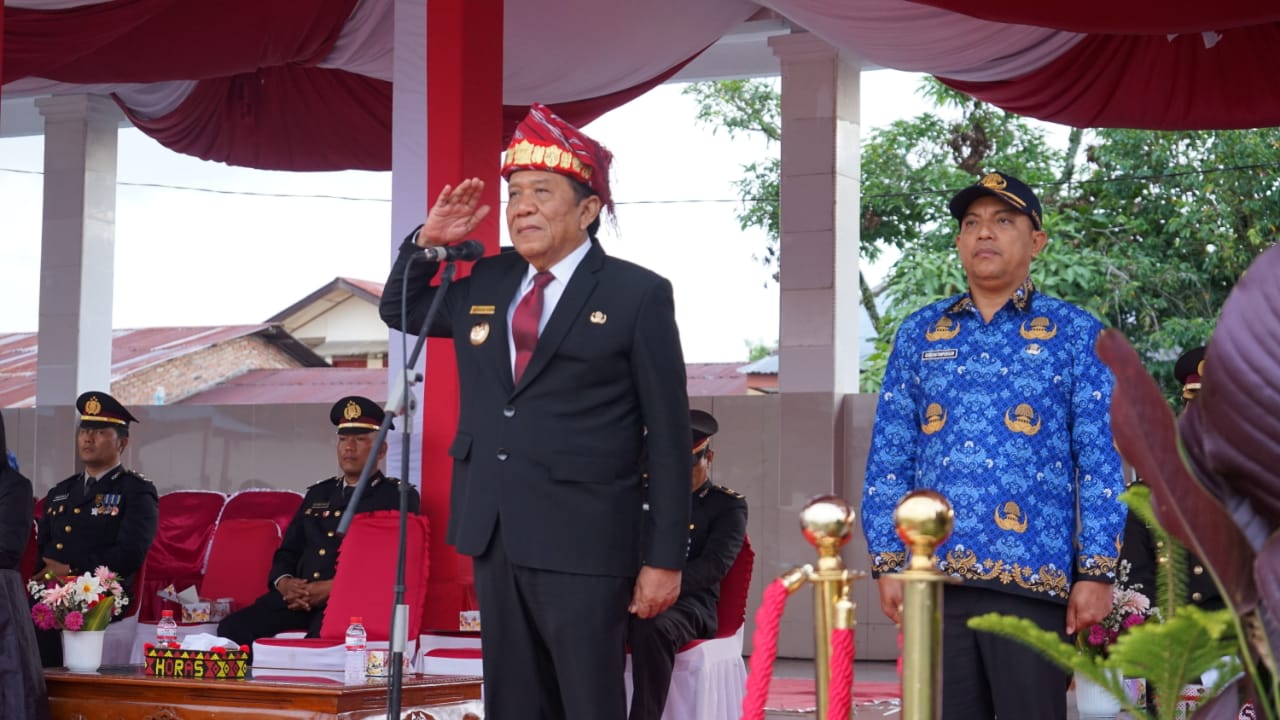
469,621
196,612
171,662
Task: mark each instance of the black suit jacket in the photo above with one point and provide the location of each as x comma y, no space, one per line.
113,524
556,458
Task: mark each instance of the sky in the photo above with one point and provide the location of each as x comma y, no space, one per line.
202,243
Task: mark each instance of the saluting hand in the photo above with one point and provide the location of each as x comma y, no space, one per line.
656,590
455,215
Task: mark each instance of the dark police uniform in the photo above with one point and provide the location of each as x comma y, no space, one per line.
310,547
717,529
87,522
1142,551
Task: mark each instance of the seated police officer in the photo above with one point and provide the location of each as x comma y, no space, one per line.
718,526
303,567
104,516
1142,551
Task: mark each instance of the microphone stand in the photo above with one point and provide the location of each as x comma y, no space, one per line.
399,402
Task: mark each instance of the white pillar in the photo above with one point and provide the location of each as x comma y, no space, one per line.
77,252
818,361
408,195
820,210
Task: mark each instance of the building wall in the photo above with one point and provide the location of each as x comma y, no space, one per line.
352,319
232,447
194,372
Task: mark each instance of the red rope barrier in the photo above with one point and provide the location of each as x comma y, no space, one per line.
840,691
764,649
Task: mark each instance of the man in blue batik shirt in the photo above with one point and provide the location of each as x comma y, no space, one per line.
996,399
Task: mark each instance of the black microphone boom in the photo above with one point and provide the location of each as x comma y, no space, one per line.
465,250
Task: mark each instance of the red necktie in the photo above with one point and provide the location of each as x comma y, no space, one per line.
524,322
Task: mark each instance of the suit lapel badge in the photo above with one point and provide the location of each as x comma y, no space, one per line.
479,333
599,318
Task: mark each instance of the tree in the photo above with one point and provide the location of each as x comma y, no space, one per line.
1148,230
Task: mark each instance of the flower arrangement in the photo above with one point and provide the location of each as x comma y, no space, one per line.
1128,608
87,602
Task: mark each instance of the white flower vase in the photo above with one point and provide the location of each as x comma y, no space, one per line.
1092,701
82,650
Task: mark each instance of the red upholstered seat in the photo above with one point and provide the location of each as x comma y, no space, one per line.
363,585
277,505
240,559
187,519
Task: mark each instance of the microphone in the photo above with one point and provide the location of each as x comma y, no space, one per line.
465,250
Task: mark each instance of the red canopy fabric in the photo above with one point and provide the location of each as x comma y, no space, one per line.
278,84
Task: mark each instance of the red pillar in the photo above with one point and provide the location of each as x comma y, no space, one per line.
464,139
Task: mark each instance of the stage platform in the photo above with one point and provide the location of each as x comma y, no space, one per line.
125,693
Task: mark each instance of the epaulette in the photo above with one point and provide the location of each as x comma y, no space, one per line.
730,491
326,480
135,473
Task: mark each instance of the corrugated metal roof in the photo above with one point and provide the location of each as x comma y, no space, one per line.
131,351
295,385
767,365
706,379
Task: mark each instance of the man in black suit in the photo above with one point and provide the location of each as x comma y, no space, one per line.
565,357
106,515
303,567
716,532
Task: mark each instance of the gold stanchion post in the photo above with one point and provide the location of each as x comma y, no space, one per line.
924,520
828,523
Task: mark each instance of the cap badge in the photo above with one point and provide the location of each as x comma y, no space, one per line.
352,410
92,406
1200,368
599,318
479,333
995,181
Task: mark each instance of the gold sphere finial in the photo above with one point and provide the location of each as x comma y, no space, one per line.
924,519
827,522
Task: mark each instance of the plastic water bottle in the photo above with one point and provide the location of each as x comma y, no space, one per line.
167,631
357,639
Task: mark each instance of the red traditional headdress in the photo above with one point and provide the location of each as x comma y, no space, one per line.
544,141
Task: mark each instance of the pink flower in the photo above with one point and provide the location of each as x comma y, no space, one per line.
43,616
1097,635
74,620
1132,620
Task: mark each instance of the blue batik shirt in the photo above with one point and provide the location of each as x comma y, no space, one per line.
1009,419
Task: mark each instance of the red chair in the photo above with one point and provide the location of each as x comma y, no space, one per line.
709,679
277,505
239,561
187,519
363,585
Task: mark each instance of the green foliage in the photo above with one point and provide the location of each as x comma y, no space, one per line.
759,350
1148,230
1171,575
1188,643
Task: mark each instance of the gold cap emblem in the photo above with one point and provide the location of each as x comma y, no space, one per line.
351,411
92,406
995,181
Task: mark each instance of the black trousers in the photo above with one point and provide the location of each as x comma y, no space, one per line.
985,676
267,616
554,643
654,643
